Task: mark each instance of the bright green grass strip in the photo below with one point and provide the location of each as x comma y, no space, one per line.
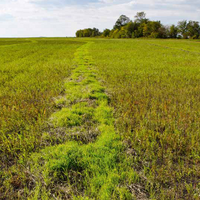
73,116
98,170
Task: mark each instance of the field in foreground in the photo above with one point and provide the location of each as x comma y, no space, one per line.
64,136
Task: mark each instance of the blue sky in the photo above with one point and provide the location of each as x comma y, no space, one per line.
34,18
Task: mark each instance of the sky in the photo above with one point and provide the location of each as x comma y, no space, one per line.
61,18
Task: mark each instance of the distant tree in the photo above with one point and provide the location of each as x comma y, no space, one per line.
143,27
140,17
111,33
163,32
193,29
122,21
139,32
182,28
106,33
130,28
173,31
95,32
152,29
155,26
123,33
79,33
88,32
116,33
145,30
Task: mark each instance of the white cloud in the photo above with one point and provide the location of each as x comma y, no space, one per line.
28,18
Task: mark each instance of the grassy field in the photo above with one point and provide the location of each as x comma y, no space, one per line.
154,87
32,73
99,119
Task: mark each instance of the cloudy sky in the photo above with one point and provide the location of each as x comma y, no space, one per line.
28,18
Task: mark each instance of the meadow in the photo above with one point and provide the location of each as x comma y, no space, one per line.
99,119
31,75
154,88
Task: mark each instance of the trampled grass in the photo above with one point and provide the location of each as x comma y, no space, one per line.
110,119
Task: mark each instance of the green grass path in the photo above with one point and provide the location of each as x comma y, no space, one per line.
83,168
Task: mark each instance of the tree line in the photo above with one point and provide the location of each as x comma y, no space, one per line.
143,27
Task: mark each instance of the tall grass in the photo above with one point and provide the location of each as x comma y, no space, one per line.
98,169
60,139
31,75
155,92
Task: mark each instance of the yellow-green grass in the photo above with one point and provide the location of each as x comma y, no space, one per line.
31,75
149,149
155,93
184,45
99,169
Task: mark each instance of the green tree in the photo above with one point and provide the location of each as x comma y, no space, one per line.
143,27
139,32
173,31
88,32
112,33
122,21
182,28
145,30
95,32
130,28
116,33
152,29
140,18
162,32
123,33
106,33
193,29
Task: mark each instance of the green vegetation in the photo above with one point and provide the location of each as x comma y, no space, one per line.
88,32
143,27
154,87
76,170
100,119
31,74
